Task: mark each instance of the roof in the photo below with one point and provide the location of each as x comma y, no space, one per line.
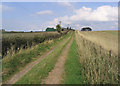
50,29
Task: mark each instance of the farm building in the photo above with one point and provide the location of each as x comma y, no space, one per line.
50,29
86,29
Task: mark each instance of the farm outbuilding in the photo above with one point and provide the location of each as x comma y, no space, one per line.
86,29
50,29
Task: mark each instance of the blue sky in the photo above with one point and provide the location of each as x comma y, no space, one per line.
27,16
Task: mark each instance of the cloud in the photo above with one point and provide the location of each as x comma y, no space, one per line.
103,13
64,20
6,8
67,4
46,12
87,17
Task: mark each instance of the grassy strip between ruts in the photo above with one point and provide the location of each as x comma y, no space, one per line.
13,64
73,71
42,69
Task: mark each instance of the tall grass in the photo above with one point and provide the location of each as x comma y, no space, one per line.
13,42
14,63
99,66
42,69
106,40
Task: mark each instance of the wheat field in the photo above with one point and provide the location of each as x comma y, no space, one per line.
98,54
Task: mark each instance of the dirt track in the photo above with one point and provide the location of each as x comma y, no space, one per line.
20,74
55,76
28,67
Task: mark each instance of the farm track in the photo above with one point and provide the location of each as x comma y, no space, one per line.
55,76
20,74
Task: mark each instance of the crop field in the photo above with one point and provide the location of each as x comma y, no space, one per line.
13,63
107,39
78,57
13,42
98,52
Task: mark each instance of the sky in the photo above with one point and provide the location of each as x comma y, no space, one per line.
37,16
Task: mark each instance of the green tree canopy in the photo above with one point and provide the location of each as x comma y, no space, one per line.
58,28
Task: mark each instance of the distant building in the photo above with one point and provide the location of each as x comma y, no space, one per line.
86,29
50,29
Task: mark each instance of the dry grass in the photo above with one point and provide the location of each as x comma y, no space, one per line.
104,38
98,66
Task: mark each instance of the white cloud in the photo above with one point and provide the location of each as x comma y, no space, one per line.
66,4
6,8
56,21
101,14
46,12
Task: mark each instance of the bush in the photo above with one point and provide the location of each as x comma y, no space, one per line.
13,42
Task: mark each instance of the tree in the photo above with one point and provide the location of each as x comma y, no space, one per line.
58,28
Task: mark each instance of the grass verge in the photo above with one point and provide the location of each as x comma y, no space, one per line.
72,71
13,64
42,69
